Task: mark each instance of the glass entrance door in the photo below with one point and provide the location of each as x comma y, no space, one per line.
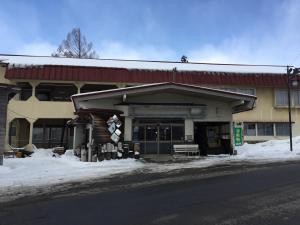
151,144
158,136
164,142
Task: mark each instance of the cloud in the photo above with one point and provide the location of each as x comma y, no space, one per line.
37,48
118,50
278,44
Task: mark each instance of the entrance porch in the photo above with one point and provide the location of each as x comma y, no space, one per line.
156,117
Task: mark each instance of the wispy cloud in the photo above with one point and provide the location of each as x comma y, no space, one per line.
279,44
37,48
115,49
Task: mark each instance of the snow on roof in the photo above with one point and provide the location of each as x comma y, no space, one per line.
160,84
24,61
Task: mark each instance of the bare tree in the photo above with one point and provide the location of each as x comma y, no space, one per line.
75,46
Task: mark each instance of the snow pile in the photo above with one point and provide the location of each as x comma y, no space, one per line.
42,169
42,153
269,150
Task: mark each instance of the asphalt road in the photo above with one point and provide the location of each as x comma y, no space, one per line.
224,195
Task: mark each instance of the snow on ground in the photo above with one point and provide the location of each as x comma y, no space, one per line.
43,170
275,150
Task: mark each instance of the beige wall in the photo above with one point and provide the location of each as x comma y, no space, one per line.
2,75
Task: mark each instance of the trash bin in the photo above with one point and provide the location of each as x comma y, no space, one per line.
94,158
108,155
125,150
114,154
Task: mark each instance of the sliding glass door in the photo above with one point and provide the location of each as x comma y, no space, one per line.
157,136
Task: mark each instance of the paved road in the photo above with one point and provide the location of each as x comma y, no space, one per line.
264,195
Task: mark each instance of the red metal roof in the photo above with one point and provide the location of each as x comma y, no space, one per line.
120,75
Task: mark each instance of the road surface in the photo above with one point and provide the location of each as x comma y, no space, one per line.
223,195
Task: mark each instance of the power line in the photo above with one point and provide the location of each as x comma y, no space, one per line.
151,61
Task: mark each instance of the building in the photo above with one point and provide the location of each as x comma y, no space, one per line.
160,115
39,113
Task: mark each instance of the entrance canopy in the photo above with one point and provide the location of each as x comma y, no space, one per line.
158,116
159,96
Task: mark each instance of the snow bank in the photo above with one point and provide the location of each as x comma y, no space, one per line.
269,150
18,175
44,170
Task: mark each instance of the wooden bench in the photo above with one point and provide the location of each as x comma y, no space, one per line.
186,149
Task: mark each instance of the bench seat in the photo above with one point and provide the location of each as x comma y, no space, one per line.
186,149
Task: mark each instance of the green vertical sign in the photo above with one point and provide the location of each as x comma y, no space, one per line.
238,136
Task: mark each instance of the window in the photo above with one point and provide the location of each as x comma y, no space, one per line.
177,133
250,129
165,133
38,135
55,91
138,133
265,129
281,97
26,90
296,95
282,129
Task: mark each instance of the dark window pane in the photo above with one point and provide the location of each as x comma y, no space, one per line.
151,133
177,133
282,129
281,97
265,129
296,94
138,133
56,134
37,135
165,133
249,129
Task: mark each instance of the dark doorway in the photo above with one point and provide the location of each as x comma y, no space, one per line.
213,137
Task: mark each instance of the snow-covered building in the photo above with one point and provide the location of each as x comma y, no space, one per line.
158,103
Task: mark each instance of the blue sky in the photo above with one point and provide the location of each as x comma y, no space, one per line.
230,31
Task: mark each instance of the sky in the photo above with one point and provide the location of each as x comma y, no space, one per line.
221,31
